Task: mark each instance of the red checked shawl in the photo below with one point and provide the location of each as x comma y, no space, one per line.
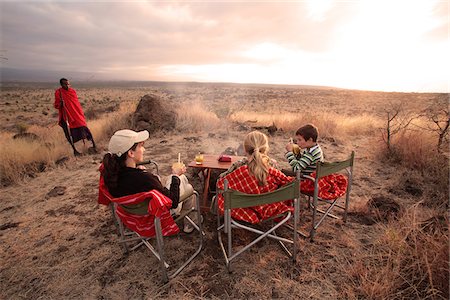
159,206
330,187
241,180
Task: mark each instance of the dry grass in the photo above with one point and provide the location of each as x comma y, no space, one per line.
330,124
25,157
407,260
194,117
416,151
400,258
105,126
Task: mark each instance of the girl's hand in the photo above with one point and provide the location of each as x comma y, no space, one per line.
274,163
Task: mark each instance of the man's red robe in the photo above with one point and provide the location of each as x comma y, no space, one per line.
72,108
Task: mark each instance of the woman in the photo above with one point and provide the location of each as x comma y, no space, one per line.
255,177
124,177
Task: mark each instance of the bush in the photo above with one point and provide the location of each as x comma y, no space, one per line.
416,152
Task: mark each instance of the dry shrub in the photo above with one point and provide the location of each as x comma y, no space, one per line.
104,127
330,124
414,149
24,157
194,117
416,152
406,261
360,125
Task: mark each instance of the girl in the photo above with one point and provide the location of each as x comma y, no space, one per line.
255,177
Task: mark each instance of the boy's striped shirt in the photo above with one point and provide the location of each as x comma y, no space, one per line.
307,161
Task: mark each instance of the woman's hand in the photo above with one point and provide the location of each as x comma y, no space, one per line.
178,169
142,167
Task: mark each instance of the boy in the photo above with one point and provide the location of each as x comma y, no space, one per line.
312,153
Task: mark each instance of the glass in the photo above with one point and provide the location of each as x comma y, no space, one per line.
199,159
295,149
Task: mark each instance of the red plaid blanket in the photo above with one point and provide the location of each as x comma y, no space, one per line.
241,180
159,206
330,187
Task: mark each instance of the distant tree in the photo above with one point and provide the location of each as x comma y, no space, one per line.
397,120
438,120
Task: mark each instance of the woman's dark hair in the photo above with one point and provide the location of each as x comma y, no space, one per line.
111,167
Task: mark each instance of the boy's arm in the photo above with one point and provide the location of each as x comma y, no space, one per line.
302,163
293,161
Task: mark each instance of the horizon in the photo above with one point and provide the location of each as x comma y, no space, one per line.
118,82
390,46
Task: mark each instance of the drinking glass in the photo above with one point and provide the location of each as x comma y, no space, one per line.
199,159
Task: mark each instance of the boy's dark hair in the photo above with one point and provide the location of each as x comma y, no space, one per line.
61,80
308,131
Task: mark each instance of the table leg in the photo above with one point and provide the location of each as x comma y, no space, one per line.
206,190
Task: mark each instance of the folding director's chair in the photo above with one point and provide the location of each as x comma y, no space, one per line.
325,169
235,199
142,225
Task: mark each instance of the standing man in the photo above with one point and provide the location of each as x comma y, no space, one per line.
71,116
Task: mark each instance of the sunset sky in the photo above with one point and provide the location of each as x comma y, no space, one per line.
388,45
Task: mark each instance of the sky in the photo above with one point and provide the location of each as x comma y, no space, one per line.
382,45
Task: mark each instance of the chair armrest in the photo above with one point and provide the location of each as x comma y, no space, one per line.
308,177
187,193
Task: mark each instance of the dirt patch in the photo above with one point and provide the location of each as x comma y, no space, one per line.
384,209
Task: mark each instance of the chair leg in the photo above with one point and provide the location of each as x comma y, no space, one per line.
199,228
313,222
122,234
296,216
230,239
160,246
347,199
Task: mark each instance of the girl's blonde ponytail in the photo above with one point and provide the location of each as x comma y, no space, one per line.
256,144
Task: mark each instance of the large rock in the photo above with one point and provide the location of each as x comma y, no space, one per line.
153,115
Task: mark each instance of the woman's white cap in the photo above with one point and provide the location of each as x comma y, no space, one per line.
123,140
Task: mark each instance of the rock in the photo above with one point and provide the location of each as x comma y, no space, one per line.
192,139
229,151
57,191
272,129
62,160
243,127
27,136
153,115
240,150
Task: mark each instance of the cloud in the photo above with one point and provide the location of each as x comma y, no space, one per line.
288,41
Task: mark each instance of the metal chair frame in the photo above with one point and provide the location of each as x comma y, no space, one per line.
159,253
126,235
324,169
235,199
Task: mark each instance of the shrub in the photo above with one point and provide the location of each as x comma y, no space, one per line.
195,117
416,152
408,260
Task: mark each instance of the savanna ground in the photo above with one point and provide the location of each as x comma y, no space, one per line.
57,242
